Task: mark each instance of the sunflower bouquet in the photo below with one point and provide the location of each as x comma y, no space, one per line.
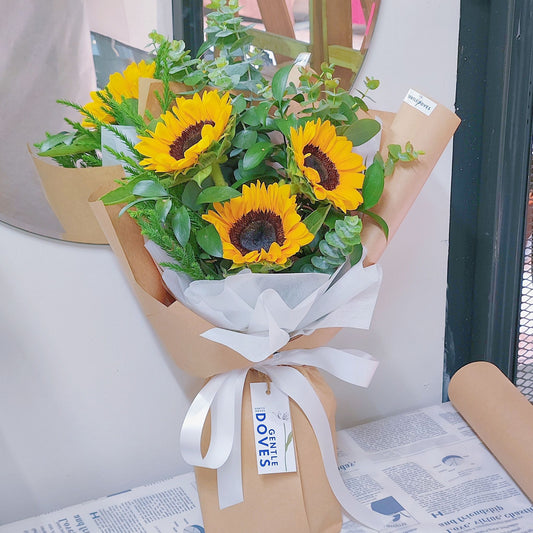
269,182
250,204
240,224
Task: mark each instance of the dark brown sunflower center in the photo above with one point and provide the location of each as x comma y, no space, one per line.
257,230
189,137
319,161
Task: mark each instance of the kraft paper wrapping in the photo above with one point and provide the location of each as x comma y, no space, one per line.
430,134
299,501
68,190
501,416
177,327
148,101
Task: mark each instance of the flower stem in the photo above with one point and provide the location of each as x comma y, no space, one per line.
217,176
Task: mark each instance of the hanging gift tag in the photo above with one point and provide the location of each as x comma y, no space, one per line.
274,444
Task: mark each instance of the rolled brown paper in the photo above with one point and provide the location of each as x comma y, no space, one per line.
500,415
428,133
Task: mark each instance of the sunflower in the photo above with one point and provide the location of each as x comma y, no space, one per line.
327,161
185,132
260,226
121,86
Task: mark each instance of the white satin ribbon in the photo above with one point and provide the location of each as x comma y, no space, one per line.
223,396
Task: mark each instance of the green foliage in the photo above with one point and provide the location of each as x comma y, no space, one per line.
338,245
185,257
255,147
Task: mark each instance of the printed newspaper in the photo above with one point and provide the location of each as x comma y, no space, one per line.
425,470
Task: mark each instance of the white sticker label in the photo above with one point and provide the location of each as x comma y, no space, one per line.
420,102
274,444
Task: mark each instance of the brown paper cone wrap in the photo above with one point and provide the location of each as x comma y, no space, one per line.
68,190
299,501
501,416
429,134
177,327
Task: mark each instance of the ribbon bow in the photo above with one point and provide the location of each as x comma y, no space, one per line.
222,395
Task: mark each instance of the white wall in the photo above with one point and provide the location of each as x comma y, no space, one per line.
89,402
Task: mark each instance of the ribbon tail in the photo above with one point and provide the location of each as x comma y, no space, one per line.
296,386
229,475
353,366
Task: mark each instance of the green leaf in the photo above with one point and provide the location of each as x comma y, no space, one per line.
181,225
362,130
239,104
190,194
216,194
251,117
285,125
194,79
314,221
71,149
379,221
289,440
373,185
245,139
149,188
394,151
321,263
131,204
349,233
256,154
332,218
279,82
202,175
371,83
162,208
63,137
120,195
209,240
356,254
331,252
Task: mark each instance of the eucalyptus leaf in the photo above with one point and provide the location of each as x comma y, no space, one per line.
245,139
162,209
256,154
239,104
279,82
216,194
209,240
181,225
194,78
362,130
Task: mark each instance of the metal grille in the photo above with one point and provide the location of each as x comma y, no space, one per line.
524,367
